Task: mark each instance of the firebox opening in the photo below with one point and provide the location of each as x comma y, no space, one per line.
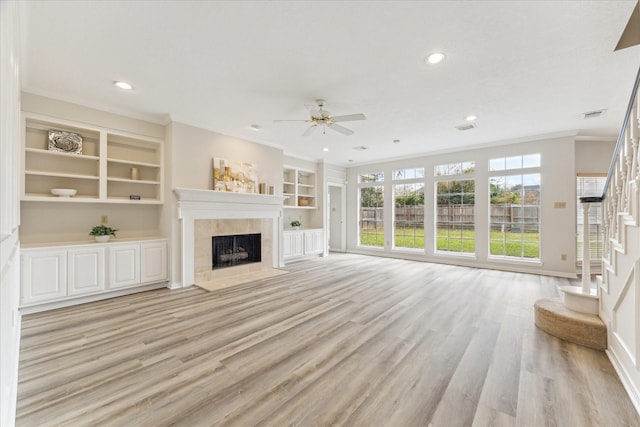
238,249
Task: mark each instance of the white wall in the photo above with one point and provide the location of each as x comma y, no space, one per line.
9,210
67,222
557,224
594,156
189,151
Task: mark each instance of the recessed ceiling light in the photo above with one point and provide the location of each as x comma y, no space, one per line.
396,141
435,58
470,118
466,126
123,85
255,128
325,149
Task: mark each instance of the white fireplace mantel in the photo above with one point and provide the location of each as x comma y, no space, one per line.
208,204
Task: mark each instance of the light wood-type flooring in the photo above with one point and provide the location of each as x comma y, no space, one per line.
345,340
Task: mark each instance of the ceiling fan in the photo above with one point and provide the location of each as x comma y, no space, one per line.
322,118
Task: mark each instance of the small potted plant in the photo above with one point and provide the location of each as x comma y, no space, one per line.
102,233
295,224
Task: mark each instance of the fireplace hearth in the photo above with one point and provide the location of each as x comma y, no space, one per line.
238,249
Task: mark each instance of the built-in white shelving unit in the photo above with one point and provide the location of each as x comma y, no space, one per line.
299,186
112,167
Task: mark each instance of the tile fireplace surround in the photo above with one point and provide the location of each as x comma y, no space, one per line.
206,213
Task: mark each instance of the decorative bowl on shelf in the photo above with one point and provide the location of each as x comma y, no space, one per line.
303,202
64,192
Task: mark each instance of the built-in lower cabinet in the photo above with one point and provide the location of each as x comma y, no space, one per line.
44,275
301,243
63,274
124,265
85,270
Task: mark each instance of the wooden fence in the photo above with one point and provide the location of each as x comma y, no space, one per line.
515,218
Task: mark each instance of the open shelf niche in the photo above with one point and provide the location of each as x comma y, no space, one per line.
112,167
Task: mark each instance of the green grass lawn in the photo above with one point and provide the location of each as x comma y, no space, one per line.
526,245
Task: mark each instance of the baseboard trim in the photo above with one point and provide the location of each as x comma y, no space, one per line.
626,380
464,261
36,308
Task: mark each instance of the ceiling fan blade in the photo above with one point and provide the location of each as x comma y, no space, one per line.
343,130
310,130
348,118
292,120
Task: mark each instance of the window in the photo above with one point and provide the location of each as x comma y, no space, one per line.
455,216
515,162
514,210
590,185
461,168
371,177
371,212
408,231
514,216
455,208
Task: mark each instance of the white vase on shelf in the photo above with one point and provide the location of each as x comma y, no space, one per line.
102,239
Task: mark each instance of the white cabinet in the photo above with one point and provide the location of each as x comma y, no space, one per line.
67,274
299,243
85,270
293,245
153,262
44,275
313,240
139,263
124,265
299,186
109,166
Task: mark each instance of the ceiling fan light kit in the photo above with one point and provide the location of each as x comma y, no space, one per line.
321,117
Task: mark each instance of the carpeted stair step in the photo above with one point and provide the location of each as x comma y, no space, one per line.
579,328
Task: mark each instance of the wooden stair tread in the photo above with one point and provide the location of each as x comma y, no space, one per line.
584,329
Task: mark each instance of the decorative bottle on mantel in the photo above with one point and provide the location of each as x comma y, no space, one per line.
228,182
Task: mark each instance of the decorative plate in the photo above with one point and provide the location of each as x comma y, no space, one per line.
67,142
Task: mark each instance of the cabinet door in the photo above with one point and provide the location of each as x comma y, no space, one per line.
153,262
85,270
44,275
313,242
318,241
286,245
292,244
124,265
297,245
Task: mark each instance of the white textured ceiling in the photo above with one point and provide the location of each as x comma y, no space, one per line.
525,68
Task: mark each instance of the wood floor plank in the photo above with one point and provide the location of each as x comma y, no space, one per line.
343,340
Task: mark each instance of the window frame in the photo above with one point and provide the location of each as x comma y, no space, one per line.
419,180
362,184
507,173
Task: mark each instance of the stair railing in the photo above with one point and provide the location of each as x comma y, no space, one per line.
621,187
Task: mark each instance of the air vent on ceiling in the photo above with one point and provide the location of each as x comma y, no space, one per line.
466,126
360,148
592,114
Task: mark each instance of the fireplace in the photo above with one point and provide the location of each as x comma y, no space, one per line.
206,213
237,249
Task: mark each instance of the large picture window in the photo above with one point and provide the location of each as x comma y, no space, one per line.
371,210
455,216
408,214
514,211
455,208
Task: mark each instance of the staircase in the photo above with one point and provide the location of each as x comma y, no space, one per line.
608,317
